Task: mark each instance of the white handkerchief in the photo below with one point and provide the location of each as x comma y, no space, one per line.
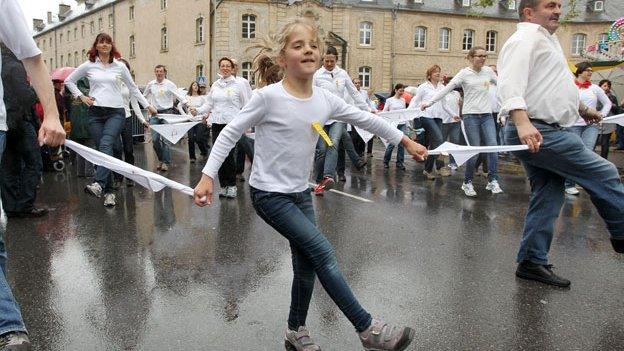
154,182
173,132
171,119
399,116
366,136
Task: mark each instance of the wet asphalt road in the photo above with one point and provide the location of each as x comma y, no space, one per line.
157,273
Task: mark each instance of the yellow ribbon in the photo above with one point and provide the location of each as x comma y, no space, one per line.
319,129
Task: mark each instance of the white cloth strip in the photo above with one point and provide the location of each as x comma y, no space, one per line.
462,153
172,119
152,181
617,119
173,132
399,116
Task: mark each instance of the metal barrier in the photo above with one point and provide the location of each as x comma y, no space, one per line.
138,129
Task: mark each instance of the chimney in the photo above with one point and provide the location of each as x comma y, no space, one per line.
49,17
63,11
38,24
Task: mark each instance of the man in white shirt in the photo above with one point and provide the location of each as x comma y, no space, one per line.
161,93
16,35
538,108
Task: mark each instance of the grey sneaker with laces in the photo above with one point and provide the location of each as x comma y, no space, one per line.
382,337
109,200
14,341
94,189
299,340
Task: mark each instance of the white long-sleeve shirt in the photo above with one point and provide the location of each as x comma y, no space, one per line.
367,99
284,139
590,98
452,101
494,100
393,103
105,83
225,99
425,93
162,94
533,75
476,86
17,36
339,83
131,101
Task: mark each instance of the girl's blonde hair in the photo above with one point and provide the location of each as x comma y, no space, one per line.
274,46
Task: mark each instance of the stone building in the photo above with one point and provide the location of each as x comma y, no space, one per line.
381,41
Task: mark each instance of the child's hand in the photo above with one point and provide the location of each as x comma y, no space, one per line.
417,151
203,191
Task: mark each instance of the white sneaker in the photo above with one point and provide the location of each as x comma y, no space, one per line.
468,189
109,200
494,187
231,192
94,189
572,190
223,192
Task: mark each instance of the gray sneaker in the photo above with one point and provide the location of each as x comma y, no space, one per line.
382,337
231,192
94,189
109,200
299,340
14,341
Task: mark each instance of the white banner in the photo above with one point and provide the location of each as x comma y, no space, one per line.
617,119
172,119
152,181
173,132
399,116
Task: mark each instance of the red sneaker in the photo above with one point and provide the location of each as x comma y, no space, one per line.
326,184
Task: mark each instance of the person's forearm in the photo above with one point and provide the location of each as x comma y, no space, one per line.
519,117
42,84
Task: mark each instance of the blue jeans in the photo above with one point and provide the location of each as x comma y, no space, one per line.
160,144
563,155
326,158
400,149
105,127
435,136
589,135
452,133
292,215
619,141
10,315
481,131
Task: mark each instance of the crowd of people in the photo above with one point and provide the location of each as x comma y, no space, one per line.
304,119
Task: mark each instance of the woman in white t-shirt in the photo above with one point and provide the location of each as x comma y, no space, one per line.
396,102
590,95
476,80
199,133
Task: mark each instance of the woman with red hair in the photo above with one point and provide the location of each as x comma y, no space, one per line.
105,105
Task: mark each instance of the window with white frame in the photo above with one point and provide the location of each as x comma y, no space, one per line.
511,4
111,20
249,26
366,33
420,37
364,73
199,70
247,72
490,41
444,39
131,13
163,4
92,27
466,3
603,38
100,24
82,32
199,30
164,40
598,5
578,43
132,48
468,39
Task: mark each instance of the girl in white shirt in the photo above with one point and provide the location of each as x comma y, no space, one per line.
283,114
106,104
199,133
432,120
589,94
223,102
475,80
396,102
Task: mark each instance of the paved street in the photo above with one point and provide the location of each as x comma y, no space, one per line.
157,273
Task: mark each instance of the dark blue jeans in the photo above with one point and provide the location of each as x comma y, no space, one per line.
619,141
452,133
105,126
292,215
400,159
198,135
563,155
481,131
435,136
10,315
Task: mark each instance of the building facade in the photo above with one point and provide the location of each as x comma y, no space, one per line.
381,41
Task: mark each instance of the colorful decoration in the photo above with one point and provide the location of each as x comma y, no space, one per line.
616,33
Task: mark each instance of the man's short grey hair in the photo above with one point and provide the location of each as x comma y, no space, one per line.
526,4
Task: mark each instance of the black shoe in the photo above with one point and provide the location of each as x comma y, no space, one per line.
618,244
32,213
341,177
541,273
401,167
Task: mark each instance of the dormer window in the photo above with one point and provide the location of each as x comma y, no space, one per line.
511,4
598,6
465,3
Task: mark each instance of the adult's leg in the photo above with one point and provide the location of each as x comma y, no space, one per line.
439,162
369,146
11,171
227,172
319,158
331,156
31,167
240,157
126,141
605,142
10,315
358,142
400,148
106,130
192,135
347,144
341,165
388,154
619,140
201,138
473,132
157,139
286,213
488,130
435,138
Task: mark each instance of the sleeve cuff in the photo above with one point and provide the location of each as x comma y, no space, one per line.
514,103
